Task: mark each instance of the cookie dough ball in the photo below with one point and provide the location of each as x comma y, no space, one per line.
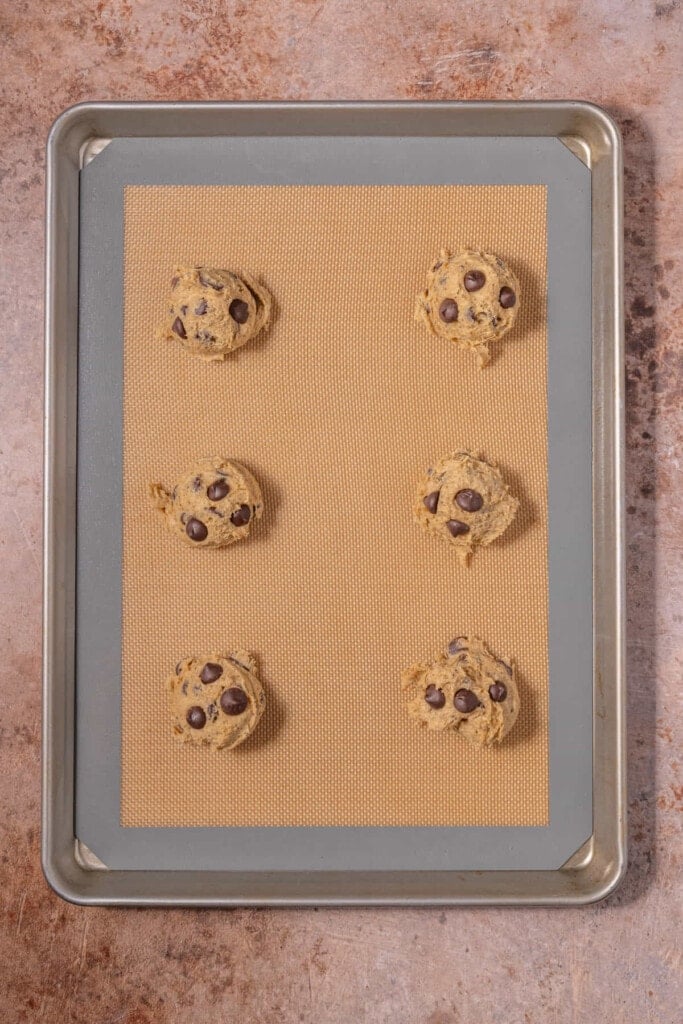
216,701
213,312
464,501
471,299
465,690
213,505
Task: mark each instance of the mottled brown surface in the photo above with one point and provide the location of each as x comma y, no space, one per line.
618,961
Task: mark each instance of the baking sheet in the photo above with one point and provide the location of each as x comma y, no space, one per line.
507,843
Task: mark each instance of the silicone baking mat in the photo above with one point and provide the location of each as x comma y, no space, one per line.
338,409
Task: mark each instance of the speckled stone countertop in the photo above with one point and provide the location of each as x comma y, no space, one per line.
617,961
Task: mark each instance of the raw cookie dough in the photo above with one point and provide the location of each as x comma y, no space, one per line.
465,501
216,701
471,299
213,312
213,505
465,690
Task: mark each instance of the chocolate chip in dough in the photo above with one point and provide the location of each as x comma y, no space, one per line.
217,490
241,516
474,280
456,527
431,502
201,307
178,668
239,311
469,501
498,692
196,530
507,298
205,336
211,672
197,484
196,717
448,311
179,328
455,645
208,283
234,701
465,701
434,697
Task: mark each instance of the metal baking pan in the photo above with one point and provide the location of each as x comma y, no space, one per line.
575,149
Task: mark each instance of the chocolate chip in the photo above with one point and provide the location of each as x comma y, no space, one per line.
207,282
174,282
197,484
211,672
206,336
455,527
437,266
179,328
196,530
183,310
431,502
455,645
434,697
448,311
217,490
498,692
470,315
201,308
234,701
212,712
196,718
507,298
470,501
465,701
241,516
474,280
239,311
178,668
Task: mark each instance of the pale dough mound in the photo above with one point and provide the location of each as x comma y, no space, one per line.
471,299
216,701
211,506
213,312
465,690
464,501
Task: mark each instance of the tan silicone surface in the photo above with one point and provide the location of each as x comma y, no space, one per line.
337,409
